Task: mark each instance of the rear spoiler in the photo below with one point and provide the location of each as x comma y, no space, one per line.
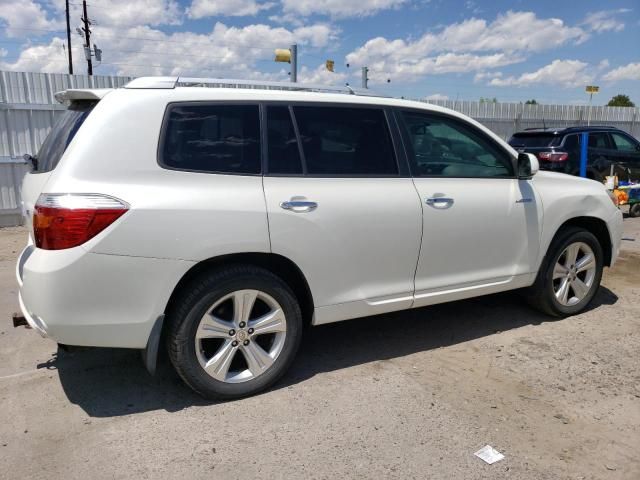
81,94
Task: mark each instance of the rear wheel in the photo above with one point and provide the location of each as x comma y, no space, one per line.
570,273
634,210
234,332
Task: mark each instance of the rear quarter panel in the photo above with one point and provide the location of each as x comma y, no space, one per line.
173,214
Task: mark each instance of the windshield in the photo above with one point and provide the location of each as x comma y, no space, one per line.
63,131
527,141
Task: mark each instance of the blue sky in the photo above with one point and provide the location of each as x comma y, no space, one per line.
465,49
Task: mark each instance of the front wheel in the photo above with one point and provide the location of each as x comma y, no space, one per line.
570,273
234,332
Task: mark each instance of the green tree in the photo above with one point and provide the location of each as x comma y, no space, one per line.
531,102
621,101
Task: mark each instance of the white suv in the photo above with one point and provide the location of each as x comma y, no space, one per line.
223,220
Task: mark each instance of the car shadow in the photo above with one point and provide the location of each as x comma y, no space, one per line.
114,382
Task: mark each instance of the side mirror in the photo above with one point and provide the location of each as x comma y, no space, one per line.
31,160
528,165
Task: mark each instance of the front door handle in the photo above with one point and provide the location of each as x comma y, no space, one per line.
439,202
299,206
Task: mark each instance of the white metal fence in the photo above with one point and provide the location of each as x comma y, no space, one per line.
28,109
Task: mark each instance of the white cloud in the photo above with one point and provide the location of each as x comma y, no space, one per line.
338,8
127,13
224,52
230,8
562,73
605,20
458,47
436,96
321,76
626,72
24,18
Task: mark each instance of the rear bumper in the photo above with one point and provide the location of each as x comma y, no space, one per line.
80,298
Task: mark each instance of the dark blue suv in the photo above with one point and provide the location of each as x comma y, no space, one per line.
558,149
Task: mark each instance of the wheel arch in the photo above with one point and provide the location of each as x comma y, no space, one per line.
597,227
279,265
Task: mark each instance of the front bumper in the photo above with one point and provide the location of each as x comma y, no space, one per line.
81,298
615,227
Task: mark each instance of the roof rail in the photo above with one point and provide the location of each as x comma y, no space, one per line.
174,82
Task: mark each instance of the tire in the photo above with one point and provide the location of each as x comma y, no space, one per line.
542,295
634,210
236,367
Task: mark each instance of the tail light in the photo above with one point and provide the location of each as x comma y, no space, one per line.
553,156
68,220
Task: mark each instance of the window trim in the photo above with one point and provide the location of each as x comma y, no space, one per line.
402,167
407,141
164,128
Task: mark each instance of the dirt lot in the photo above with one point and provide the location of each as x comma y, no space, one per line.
408,395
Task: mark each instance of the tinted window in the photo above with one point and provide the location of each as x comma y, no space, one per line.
623,143
284,155
63,131
345,141
442,146
571,143
212,138
598,140
528,140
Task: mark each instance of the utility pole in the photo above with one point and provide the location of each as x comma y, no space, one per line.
365,77
87,37
294,62
69,38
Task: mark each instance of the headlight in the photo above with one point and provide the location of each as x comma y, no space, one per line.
613,197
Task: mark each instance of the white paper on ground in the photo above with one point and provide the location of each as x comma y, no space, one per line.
489,454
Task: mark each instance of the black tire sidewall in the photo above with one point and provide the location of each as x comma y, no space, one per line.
572,236
212,288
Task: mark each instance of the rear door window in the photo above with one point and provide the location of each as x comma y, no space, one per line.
598,140
347,141
213,138
63,131
284,154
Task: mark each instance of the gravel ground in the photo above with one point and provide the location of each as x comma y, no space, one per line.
407,395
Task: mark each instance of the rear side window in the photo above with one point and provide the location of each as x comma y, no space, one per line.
345,141
63,131
212,138
533,141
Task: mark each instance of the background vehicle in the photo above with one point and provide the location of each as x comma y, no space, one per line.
225,219
558,150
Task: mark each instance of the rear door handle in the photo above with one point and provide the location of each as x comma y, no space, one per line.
439,202
299,206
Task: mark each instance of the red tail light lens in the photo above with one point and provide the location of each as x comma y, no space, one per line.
68,220
553,156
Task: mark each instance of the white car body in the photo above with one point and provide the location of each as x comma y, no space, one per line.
372,246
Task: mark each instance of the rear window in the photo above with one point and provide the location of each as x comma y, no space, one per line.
63,131
212,138
528,141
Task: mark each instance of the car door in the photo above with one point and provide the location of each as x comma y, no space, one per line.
626,153
342,207
481,225
600,156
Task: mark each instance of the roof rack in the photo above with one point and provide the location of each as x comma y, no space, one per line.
174,82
